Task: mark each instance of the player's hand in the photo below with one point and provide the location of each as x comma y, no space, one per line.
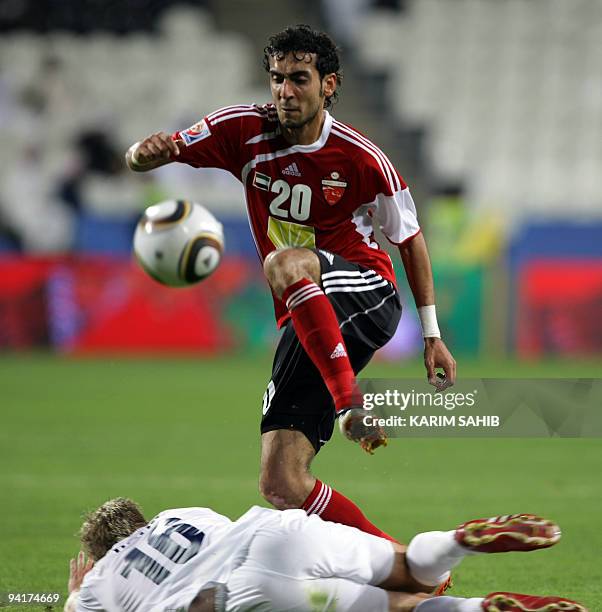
436,355
78,568
158,147
369,437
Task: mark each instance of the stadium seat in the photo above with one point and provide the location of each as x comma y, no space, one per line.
513,81
128,86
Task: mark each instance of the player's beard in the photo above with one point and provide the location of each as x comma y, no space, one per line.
292,124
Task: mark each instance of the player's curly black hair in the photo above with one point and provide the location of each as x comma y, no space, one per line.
303,39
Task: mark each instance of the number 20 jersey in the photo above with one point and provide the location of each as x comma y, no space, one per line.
323,195
164,565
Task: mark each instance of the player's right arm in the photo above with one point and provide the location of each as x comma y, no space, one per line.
154,151
217,141
213,142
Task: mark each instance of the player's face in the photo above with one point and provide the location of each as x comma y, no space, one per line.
297,89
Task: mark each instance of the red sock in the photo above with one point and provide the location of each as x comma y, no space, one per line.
330,505
318,331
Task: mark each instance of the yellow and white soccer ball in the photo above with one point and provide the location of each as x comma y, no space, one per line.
178,242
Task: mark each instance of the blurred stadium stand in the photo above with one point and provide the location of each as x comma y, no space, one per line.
491,109
509,93
58,88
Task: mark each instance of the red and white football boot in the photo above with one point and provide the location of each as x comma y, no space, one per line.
513,532
514,602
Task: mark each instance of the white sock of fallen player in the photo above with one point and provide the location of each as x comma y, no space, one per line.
450,604
432,555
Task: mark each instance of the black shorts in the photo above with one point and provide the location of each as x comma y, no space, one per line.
368,309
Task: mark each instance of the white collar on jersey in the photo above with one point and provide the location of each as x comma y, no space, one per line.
310,148
318,144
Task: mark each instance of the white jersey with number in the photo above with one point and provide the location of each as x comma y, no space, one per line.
164,564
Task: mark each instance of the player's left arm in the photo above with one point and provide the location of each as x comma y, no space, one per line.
417,265
396,213
78,568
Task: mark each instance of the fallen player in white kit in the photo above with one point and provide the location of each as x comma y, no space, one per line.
278,561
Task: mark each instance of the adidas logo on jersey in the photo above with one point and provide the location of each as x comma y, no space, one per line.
292,170
339,351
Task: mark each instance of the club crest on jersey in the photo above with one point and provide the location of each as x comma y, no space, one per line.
197,132
333,187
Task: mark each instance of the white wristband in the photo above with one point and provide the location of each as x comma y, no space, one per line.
428,321
134,163
71,603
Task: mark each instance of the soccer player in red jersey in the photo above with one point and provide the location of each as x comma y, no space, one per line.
314,188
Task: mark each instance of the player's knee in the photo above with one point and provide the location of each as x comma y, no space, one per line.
283,493
284,267
280,498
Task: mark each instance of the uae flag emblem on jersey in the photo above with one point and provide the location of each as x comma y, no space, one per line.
333,187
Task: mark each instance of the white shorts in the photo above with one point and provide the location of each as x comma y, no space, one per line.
303,564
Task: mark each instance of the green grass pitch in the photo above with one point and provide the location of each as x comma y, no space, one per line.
184,432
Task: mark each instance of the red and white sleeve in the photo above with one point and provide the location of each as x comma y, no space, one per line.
209,145
395,208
